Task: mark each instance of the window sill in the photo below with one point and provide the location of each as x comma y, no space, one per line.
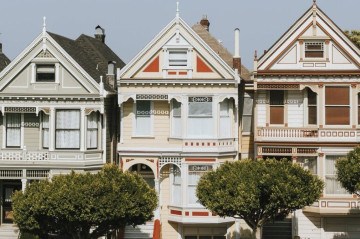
307,60
143,137
45,83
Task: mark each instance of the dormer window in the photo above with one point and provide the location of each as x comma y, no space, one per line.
178,58
45,73
314,49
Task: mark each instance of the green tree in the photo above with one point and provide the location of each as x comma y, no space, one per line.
84,205
258,191
354,36
348,171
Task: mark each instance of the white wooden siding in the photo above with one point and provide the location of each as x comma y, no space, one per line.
307,226
295,106
261,109
1,129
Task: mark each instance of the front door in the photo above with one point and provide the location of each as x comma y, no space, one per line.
8,190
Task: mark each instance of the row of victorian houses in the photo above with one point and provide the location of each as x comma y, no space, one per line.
181,107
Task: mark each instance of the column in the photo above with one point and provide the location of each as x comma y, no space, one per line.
52,127
23,184
237,227
157,189
82,129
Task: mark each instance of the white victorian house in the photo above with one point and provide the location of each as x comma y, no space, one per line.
57,111
179,118
307,110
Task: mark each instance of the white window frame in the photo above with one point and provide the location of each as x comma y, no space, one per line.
34,70
212,116
172,123
346,194
135,134
43,129
227,117
5,122
63,129
209,167
90,129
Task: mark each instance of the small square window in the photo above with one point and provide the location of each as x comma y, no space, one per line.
178,58
45,73
314,49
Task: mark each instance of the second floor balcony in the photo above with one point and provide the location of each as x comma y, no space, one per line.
281,134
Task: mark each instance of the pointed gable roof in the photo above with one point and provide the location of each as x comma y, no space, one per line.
324,23
219,48
154,46
90,53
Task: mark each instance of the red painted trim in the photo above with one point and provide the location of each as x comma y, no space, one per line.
182,73
176,212
187,213
200,214
199,160
171,72
201,65
153,66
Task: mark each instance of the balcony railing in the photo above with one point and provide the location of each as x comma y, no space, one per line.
29,155
209,145
306,134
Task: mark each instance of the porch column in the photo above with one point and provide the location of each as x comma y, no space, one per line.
82,129
23,184
157,189
52,127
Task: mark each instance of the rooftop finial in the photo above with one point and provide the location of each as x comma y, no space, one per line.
177,9
314,3
44,24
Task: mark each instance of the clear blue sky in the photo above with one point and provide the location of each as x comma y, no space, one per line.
131,24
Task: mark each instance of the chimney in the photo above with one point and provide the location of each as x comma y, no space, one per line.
237,58
100,34
205,23
110,76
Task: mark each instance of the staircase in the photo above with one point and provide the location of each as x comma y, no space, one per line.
139,232
278,230
9,231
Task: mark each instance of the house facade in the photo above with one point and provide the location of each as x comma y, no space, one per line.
179,119
307,110
58,107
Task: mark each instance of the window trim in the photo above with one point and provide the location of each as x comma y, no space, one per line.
34,77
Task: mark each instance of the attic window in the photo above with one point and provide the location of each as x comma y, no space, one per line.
178,58
314,49
45,73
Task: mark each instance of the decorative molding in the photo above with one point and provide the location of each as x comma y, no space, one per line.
151,97
278,86
150,160
170,160
20,109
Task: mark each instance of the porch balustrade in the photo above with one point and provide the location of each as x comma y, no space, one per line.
307,134
29,155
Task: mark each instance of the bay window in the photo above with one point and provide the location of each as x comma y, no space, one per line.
200,117
277,107
92,130
337,105
13,130
176,125
67,131
332,185
143,125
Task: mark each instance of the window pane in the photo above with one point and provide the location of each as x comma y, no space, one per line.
143,108
178,58
311,97
200,127
176,108
248,106
308,163
67,129
312,115
337,115
337,95
45,130
224,108
200,108
45,73
92,130
176,195
332,186
143,118
314,54
277,97
246,123
276,114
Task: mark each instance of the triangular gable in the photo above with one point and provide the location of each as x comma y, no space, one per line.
153,61
18,76
288,53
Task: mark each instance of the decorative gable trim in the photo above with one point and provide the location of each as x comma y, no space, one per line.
154,66
201,66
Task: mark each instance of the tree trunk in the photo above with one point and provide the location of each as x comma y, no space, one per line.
257,232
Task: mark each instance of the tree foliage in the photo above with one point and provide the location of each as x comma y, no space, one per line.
84,205
354,36
348,171
258,191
